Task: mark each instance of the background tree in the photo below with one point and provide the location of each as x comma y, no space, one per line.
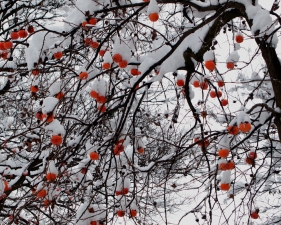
158,112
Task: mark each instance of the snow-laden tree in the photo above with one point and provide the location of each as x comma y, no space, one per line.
140,112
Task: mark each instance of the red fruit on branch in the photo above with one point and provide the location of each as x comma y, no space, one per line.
210,65
153,17
56,140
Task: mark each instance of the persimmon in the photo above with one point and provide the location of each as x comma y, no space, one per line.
58,55
93,223
135,72
2,46
153,17
47,202
39,116
117,58
22,33
56,140
35,72
4,55
245,127
146,0
249,161
6,186
196,83
225,187
106,66
94,94
219,94
121,213
94,44
220,83
93,21
180,83
231,165
223,166
224,102
254,215
8,45
252,155
123,64
94,156
14,35
84,170
42,193
210,65
118,149
60,95
223,153
34,89
30,29
196,140
83,24
230,65
239,38
51,176
213,94
133,213
233,130
101,52
83,76
117,193
204,85
101,99
88,41
102,108
49,117
125,191
140,150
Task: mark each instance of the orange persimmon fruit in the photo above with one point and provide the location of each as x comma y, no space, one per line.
106,66
94,156
239,38
233,130
56,140
223,153
22,33
133,213
58,55
254,215
204,85
14,35
121,213
153,17
230,65
245,127
42,193
123,64
224,102
220,83
83,76
180,83
51,176
196,83
34,88
210,65
117,58
225,187
93,21
35,72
